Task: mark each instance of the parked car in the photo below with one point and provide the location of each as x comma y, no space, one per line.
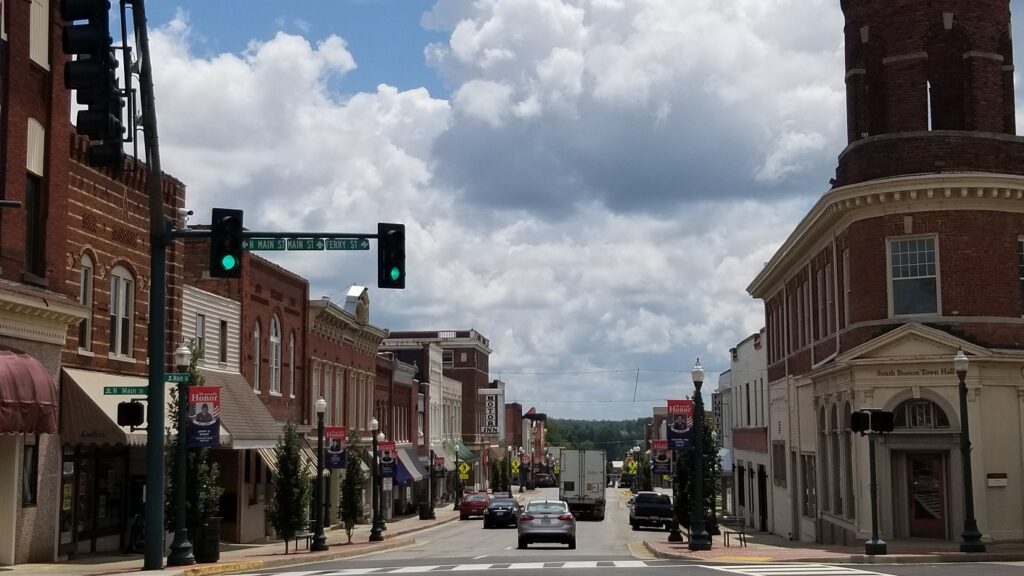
650,509
547,521
473,505
501,512
544,480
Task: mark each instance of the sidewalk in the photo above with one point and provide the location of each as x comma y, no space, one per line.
763,547
236,557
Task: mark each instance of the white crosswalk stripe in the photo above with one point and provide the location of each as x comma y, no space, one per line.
438,568
794,570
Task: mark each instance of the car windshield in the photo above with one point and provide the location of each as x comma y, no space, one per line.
476,498
503,502
549,507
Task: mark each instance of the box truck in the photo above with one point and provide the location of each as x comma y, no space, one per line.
582,481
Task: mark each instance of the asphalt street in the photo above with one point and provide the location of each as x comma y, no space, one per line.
608,547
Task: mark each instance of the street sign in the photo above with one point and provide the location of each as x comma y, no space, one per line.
264,244
463,468
556,469
125,390
176,377
347,244
305,244
489,430
515,465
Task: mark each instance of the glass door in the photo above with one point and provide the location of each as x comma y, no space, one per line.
926,490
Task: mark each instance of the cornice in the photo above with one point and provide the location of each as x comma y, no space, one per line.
962,191
36,315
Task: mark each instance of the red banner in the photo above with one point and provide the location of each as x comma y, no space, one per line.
659,445
203,416
680,421
336,442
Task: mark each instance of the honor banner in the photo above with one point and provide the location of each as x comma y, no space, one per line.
679,425
388,456
336,444
659,457
203,416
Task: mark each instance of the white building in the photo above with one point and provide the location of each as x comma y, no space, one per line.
749,400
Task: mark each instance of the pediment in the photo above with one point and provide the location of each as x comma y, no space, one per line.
913,341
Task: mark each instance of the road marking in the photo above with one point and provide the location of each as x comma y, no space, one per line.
472,567
468,568
526,566
794,570
630,564
484,556
592,564
413,569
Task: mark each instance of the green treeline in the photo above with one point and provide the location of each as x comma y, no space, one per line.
613,436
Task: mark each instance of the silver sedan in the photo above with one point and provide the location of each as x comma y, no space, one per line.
547,521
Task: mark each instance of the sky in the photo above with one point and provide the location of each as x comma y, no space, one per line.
589,184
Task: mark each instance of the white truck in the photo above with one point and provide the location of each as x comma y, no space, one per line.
582,481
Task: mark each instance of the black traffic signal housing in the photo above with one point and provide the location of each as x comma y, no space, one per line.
860,421
226,243
86,36
872,420
390,255
130,413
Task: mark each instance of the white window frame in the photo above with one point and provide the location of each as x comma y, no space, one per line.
291,365
39,33
86,274
799,317
222,346
830,301
339,386
275,356
256,357
447,358
821,304
889,277
201,335
314,390
122,313
808,319
846,288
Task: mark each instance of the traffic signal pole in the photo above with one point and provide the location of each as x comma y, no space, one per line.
159,239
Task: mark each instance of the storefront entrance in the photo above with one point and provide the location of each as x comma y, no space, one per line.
926,494
95,500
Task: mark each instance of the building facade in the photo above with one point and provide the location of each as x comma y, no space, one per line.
913,254
749,435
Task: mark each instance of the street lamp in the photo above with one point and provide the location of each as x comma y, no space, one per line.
699,538
522,469
713,529
970,538
181,548
375,531
430,488
319,540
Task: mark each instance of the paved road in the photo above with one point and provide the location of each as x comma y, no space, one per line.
607,548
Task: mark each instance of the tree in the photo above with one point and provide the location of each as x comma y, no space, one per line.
287,511
202,492
352,487
644,475
712,470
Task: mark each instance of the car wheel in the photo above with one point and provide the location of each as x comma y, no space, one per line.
572,543
522,543
633,525
463,517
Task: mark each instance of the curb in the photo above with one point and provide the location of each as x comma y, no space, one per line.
296,560
860,558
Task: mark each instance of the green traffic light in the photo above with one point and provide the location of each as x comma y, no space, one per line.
395,273
228,262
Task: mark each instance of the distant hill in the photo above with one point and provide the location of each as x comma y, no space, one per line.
613,436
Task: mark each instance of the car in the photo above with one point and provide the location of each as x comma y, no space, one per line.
650,509
501,512
547,521
544,480
473,505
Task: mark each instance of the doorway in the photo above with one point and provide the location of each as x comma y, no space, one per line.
926,494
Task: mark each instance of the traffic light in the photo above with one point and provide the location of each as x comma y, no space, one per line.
226,243
86,36
130,413
882,421
860,421
390,255
872,420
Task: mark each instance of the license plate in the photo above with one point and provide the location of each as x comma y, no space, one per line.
545,521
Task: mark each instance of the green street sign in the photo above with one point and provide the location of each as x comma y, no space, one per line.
125,390
347,244
305,244
176,377
264,244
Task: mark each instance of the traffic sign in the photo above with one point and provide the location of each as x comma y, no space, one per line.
347,244
305,244
463,468
263,244
176,377
125,390
556,469
632,466
515,465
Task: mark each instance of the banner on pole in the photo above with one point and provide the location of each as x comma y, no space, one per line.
335,447
680,424
438,469
388,455
203,416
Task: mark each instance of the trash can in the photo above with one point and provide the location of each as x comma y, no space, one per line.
424,510
208,549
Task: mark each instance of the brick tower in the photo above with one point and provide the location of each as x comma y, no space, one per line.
929,88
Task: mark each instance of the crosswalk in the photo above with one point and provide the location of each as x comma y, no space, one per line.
793,569
466,568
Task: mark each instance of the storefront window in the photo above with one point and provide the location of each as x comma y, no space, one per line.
30,471
110,494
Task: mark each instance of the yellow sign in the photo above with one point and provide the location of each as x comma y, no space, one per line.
515,465
556,469
632,466
463,476
463,470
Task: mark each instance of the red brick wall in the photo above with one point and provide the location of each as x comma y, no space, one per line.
750,439
382,394
342,354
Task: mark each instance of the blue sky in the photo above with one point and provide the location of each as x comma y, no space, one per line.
590,184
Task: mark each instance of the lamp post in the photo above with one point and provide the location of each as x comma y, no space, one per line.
319,540
375,531
457,478
522,469
674,534
181,548
970,538
713,529
430,488
699,538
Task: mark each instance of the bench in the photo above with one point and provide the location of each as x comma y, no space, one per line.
306,534
734,527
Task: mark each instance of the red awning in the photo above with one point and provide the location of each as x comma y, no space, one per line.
28,396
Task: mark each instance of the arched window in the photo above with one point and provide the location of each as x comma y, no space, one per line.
275,355
836,459
826,502
256,357
291,365
848,461
919,414
85,299
122,310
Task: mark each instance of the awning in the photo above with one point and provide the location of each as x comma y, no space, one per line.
90,417
407,459
449,457
464,453
28,397
307,458
241,412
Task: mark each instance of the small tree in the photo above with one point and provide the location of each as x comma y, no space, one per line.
287,511
352,487
644,474
712,469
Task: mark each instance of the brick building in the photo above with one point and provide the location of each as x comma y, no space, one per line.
914,253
